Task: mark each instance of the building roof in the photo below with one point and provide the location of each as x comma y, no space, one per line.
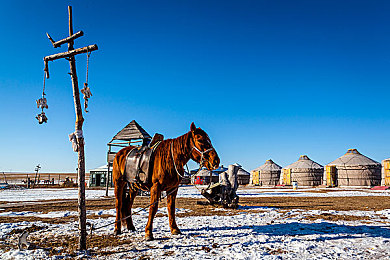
102,168
353,158
132,131
304,162
269,165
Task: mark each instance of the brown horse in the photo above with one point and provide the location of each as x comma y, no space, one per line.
169,159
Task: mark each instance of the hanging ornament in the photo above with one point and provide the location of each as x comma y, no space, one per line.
42,103
41,118
86,90
87,94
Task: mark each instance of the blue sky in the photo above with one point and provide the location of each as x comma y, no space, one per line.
265,79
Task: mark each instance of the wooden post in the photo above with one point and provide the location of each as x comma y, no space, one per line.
80,142
108,169
70,55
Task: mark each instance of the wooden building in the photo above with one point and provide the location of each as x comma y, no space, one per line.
131,134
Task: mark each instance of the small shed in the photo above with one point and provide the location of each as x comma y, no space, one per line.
305,172
267,174
353,169
97,177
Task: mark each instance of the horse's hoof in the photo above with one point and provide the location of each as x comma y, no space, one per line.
131,228
176,232
149,238
117,232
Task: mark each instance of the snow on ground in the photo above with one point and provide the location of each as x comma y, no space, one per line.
267,234
192,192
184,192
255,233
49,194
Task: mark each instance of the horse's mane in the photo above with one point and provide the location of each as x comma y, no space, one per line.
181,150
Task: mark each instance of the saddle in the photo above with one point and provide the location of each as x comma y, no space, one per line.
139,162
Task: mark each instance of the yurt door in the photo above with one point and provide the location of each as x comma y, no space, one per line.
256,178
331,176
287,176
386,166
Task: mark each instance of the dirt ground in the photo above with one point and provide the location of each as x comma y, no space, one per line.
283,203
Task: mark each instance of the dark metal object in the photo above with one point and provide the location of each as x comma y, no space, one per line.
224,192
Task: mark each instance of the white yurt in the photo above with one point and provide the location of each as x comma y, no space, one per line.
354,169
305,172
243,176
267,174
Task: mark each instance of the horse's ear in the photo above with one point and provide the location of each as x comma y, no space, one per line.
193,127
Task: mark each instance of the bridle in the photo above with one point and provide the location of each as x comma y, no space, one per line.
202,153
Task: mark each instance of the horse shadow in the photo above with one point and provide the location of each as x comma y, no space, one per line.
323,229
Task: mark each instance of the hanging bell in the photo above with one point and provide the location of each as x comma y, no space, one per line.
41,118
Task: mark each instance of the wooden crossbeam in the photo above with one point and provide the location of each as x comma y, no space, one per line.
66,40
71,53
67,54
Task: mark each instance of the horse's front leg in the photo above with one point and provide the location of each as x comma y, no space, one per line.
171,199
155,193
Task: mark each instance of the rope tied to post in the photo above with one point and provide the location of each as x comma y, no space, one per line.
74,139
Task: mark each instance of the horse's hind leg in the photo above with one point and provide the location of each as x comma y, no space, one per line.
129,204
119,192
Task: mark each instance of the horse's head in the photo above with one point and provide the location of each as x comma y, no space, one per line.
203,151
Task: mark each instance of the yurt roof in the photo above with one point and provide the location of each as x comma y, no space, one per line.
132,131
241,172
221,169
205,173
269,165
353,158
304,162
